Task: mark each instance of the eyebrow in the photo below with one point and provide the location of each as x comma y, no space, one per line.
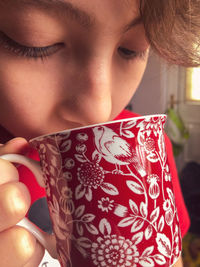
62,6
84,19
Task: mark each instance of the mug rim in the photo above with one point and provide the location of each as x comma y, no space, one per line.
97,124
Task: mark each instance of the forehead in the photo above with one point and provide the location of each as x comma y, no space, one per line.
119,13
125,2
111,5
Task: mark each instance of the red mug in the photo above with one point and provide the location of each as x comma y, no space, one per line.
109,193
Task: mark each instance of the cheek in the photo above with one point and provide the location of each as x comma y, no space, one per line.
23,96
26,84
17,87
126,82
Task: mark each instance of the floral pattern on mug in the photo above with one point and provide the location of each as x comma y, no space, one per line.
111,199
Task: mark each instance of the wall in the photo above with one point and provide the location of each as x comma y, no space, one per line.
150,97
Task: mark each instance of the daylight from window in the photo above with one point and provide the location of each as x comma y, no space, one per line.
193,84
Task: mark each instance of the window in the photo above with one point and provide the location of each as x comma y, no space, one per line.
193,84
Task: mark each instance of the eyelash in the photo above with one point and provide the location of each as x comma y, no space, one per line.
130,54
44,52
28,52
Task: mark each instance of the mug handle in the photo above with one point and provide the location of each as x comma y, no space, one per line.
47,240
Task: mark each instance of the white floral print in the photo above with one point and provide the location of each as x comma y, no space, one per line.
110,195
113,250
82,137
154,189
81,148
105,204
90,174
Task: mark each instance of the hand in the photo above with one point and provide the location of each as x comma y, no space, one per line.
179,263
18,247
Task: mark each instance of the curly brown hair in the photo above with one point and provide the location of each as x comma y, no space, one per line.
173,29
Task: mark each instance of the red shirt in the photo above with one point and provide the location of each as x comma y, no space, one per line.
37,192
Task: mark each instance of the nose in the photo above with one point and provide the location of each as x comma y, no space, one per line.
88,93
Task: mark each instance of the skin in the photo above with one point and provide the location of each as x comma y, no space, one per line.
88,78
84,75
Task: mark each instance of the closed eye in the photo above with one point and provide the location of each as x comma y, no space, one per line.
29,52
131,54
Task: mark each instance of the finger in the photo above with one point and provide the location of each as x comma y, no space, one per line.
179,263
8,172
16,145
37,256
19,244
14,203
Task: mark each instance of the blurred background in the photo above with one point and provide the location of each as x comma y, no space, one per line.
175,91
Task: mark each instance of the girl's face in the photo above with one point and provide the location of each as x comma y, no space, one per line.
67,63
